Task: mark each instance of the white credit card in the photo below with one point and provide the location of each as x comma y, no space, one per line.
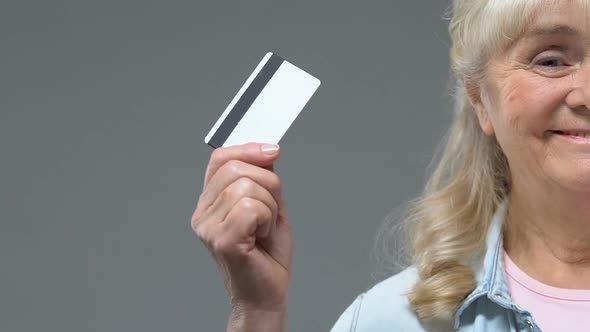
265,106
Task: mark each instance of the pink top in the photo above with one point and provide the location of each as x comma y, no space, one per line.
553,309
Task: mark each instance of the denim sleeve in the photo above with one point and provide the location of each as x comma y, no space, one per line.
348,320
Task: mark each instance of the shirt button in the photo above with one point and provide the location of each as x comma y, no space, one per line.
530,326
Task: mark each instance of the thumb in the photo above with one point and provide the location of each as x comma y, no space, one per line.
258,154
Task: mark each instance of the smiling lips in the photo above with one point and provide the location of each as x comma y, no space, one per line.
582,134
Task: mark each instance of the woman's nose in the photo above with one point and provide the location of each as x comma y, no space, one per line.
579,97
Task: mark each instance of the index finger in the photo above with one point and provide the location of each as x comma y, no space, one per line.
258,154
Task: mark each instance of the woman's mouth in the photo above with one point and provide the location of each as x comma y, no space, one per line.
573,133
582,136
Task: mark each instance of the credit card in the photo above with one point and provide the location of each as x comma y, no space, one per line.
266,105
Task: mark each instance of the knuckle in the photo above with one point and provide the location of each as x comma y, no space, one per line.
227,193
195,220
268,214
275,182
234,166
240,188
245,185
201,233
217,156
194,224
248,205
215,246
219,246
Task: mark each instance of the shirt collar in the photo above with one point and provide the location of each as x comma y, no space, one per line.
489,272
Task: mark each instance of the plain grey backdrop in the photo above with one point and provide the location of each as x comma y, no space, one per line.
104,107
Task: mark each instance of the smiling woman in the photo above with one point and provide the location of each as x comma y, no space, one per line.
500,237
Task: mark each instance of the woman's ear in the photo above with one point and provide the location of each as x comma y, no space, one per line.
477,99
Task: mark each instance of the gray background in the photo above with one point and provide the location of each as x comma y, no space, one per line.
104,107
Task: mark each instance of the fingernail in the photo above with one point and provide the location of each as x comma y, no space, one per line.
270,148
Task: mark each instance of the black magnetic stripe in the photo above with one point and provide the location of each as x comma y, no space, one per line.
244,103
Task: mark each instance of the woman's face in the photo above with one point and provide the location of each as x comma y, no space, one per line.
536,100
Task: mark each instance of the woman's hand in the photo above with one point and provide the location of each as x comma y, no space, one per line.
241,219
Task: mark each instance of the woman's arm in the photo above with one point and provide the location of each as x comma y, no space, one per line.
241,219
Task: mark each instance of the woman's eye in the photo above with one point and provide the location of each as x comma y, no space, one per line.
552,59
550,62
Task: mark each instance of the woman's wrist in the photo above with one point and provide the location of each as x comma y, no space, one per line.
244,319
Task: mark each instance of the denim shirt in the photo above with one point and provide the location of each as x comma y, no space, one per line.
487,308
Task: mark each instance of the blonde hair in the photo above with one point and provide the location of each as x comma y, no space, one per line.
448,224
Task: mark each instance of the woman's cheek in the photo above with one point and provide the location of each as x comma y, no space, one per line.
530,103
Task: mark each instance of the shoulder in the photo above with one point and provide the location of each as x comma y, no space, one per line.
384,307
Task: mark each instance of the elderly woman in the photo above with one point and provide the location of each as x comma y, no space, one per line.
501,236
